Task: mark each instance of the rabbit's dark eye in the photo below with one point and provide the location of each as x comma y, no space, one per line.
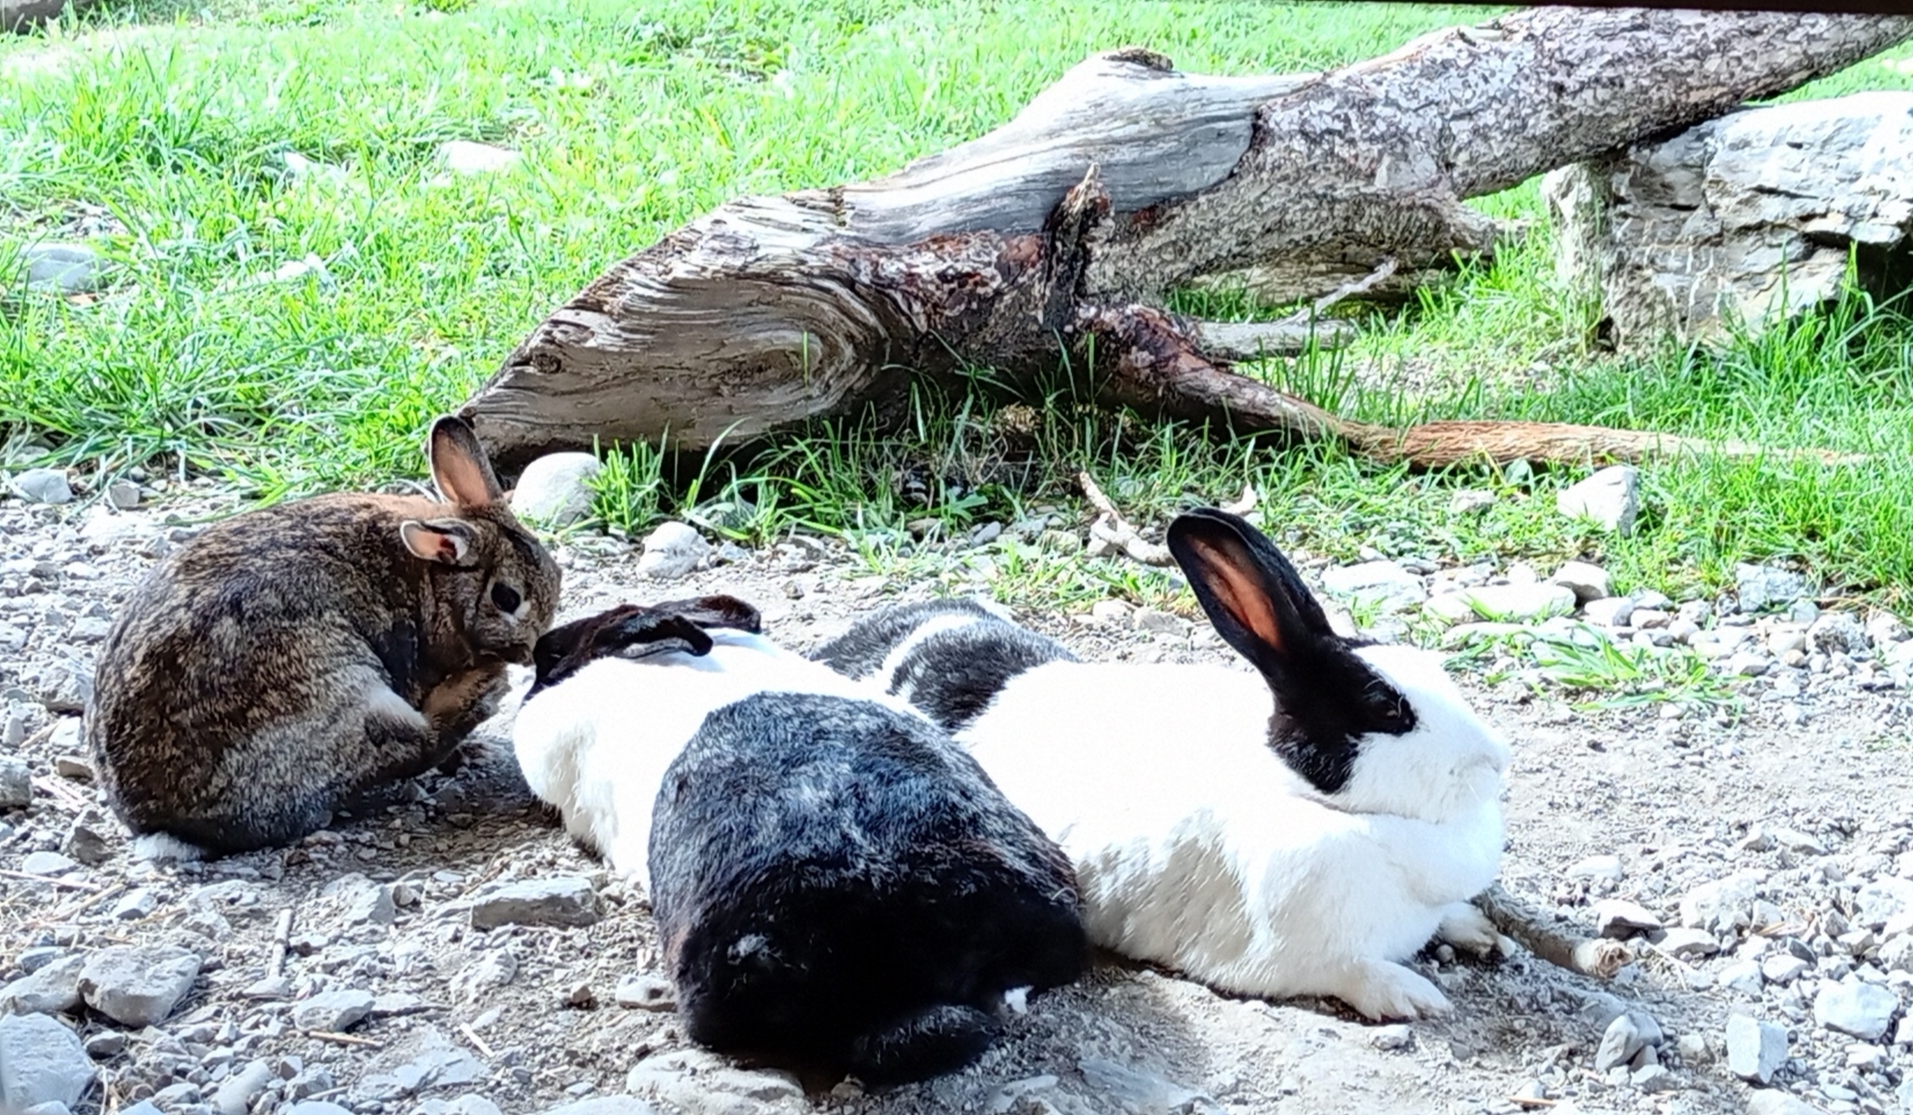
505,596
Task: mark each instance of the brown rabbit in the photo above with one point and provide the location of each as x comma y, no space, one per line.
290,657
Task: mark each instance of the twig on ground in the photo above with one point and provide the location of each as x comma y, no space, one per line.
1347,290
50,880
337,1038
471,1035
75,909
1560,946
67,795
1114,532
281,941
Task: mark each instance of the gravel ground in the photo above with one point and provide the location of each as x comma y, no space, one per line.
447,950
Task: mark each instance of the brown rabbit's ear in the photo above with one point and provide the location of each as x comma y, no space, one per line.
447,541
459,465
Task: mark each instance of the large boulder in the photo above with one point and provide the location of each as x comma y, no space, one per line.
1748,217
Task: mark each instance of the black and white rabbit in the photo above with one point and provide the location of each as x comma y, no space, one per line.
835,880
1301,832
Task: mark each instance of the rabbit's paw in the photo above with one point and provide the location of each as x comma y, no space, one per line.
1379,989
1464,926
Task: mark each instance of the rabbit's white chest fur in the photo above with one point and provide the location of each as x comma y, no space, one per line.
1196,846
597,744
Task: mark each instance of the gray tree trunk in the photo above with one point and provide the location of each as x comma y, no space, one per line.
1063,232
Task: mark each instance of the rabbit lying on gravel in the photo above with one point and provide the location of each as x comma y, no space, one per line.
1299,830
834,879
290,657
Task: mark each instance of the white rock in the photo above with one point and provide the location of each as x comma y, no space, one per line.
555,489
1610,497
1782,968
462,156
1837,631
1686,943
646,993
1589,582
16,782
672,551
138,985
52,989
1760,587
1882,899
1742,976
332,1011
236,1092
1382,584
1518,603
1617,917
1623,1038
1596,867
41,1061
1755,1049
64,268
702,1083
1768,1101
1897,954
1721,904
562,901
1863,1010
1610,611
1109,611
43,485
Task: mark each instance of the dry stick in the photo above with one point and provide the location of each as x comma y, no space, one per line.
80,907
1111,527
472,1035
1347,290
281,941
51,880
67,795
340,1039
1596,956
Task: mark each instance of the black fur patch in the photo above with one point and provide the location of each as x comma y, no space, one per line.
617,632
839,883
859,651
954,675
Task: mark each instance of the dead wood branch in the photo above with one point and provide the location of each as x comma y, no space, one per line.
1062,234
1550,938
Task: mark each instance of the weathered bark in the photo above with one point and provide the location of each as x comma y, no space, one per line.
1060,235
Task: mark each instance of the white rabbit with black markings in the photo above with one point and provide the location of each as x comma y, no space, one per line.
835,880
1300,832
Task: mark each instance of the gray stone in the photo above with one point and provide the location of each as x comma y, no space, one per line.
1687,943
361,901
1770,1102
1897,954
1589,582
1596,867
236,1093
1743,976
1839,631
1516,603
1738,222
1623,1038
1782,968
1863,1010
1468,501
64,268
1755,1049
646,993
702,1083
138,985
672,551
604,1105
123,494
1760,587
50,1107
1157,621
1617,917
16,783
33,959
1748,664
1380,584
1135,1090
47,863
564,901
41,1061
1882,899
1610,497
555,489
54,989
1721,904
135,904
43,485
106,1043
316,1107
462,156
1654,1078
332,1010
1393,1038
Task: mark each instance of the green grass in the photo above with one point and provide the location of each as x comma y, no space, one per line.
184,130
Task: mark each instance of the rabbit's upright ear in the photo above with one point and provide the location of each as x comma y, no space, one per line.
715,611
448,541
459,465
1248,589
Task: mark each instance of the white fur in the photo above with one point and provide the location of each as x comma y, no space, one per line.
162,846
597,744
1195,845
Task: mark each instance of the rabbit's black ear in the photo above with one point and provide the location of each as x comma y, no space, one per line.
715,611
1248,589
650,632
1327,697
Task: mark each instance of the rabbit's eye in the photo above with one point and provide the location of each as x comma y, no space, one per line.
505,596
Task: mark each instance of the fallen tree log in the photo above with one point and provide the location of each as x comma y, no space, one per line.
1060,236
